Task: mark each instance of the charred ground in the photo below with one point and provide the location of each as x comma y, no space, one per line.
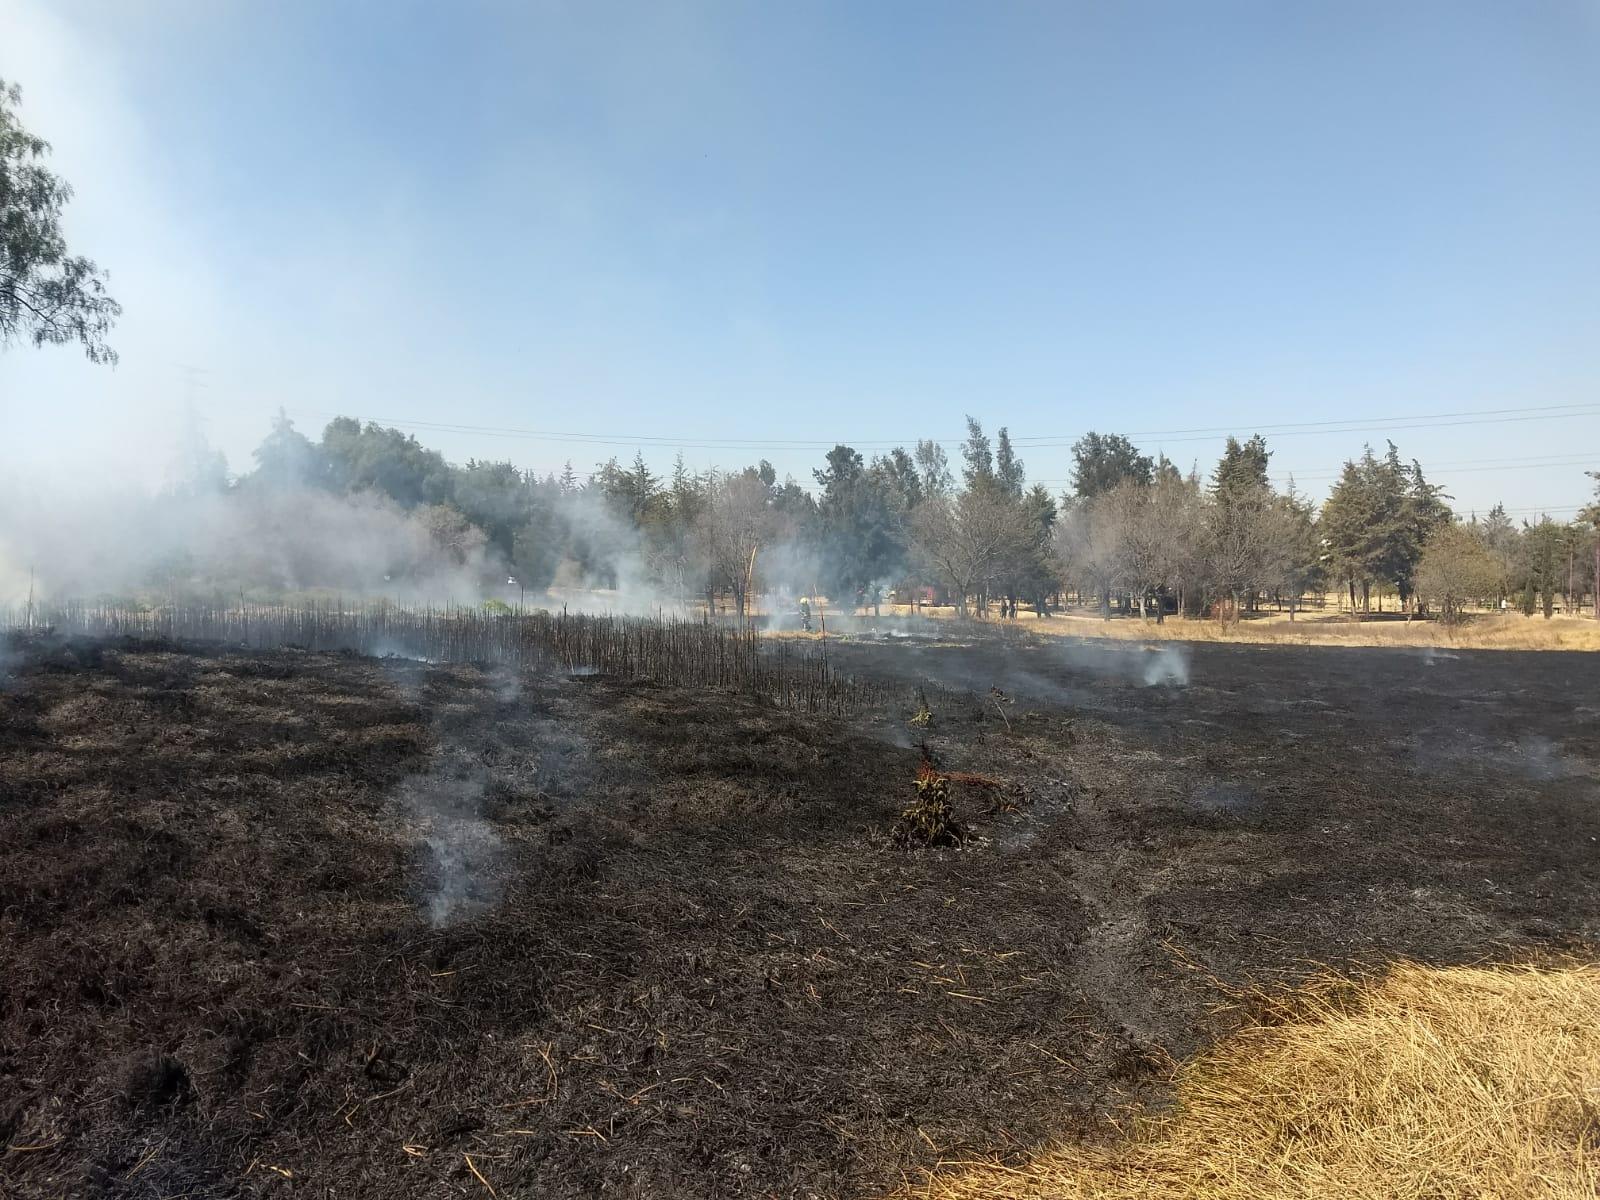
312,924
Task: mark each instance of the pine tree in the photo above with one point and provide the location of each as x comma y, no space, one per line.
979,458
680,477
1500,538
1377,519
1348,521
1544,539
1242,470
933,467
642,488
1008,467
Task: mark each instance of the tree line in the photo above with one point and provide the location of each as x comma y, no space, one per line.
1131,534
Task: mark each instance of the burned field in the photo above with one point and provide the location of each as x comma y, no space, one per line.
311,924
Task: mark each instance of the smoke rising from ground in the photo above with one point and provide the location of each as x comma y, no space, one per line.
1167,666
462,851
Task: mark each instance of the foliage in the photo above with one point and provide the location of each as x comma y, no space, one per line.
1377,519
1135,533
47,295
861,521
1456,569
1242,472
1101,461
933,468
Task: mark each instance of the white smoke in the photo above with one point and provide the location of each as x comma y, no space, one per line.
463,851
1167,666
214,546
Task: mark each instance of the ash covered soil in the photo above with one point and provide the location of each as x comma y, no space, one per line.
293,924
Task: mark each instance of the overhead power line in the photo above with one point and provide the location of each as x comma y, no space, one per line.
1312,428
1465,466
1345,424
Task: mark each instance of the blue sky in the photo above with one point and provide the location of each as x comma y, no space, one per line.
717,226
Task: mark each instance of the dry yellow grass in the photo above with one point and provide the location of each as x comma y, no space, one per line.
1485,631
1426,1084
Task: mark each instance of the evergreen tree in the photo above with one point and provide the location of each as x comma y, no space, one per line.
1304,569
861,525
1544,541
1501,541
494,497
1101,461
898,468
287,458
611,481
1008,467
1377,519
539,543
1035,574
642,490
1423,512
1242,470
978,457
933,468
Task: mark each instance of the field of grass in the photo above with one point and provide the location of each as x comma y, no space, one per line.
1428,1083
1482,631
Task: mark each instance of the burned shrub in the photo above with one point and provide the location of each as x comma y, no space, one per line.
923,717
930,821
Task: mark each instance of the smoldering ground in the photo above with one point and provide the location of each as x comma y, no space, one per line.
457,876
451,809
694,933
971,657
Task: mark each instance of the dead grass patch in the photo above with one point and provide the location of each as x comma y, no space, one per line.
1481,631
1436,1083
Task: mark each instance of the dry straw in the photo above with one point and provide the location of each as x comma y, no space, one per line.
1426,1084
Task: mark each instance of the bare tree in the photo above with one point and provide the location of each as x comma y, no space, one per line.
1147,546
965,541
1253,543
735,523
1088,544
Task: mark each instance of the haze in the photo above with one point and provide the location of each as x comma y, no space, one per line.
757,232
